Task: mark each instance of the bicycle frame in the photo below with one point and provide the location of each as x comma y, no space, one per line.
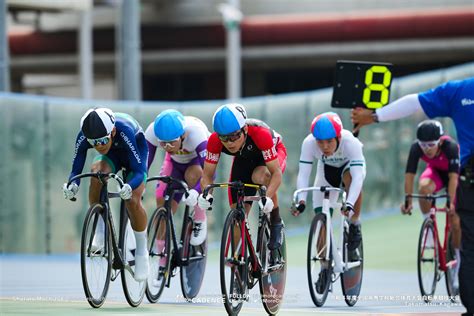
443,265
104,196
340,265
245,230
170,192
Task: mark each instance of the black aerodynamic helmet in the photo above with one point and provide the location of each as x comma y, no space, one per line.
429,130
97,123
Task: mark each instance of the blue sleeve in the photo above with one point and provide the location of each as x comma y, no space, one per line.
201,151
436,102
137,155
80,155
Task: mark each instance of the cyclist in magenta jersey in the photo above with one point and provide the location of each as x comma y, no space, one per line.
454,99
259,158
340,162
184,139
120,142
441,154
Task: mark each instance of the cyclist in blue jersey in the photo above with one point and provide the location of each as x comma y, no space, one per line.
120,142
454,99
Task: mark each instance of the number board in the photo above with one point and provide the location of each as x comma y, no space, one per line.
359,83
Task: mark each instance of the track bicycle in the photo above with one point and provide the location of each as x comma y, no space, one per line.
243,265
435,257
165,259
104,262
328,259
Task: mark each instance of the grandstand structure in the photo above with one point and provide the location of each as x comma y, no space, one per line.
286,45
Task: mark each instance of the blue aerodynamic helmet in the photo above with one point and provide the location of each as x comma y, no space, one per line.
229,118
169,125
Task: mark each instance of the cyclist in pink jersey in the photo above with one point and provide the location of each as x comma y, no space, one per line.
441,154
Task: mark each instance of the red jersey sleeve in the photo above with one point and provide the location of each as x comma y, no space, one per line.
214,149
263,138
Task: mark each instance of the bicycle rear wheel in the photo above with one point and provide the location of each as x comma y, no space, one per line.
428,260
319,269
159,245
273,276
451,268
233,270
351,280
133,290
96,260
192,273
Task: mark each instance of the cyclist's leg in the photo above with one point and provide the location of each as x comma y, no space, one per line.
137,214
241,170
261,175
355,234
192,176
429,183
165,171
104,164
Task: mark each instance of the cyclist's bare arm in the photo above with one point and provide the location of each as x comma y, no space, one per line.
409,181
452,186
208,174
275,177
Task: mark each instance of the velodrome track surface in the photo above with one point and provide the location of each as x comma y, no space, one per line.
38,284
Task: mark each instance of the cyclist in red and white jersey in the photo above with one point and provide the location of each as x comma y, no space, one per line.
259,158
441,154
340,162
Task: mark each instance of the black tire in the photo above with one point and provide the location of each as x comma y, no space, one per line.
96,265
134,290
316,261
428,260
351,280
274,265
450,272
192,273
233,272
158,274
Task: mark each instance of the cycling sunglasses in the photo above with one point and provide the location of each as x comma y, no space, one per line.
99,141
231,137
171,144
426,145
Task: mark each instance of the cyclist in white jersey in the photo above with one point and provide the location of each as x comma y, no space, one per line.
340,162
184,139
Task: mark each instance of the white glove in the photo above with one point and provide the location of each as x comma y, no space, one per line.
268,207
192,198
70,191
126,192
205,203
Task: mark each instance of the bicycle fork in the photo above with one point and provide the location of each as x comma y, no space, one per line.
340,264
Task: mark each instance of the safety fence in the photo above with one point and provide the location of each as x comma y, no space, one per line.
38,134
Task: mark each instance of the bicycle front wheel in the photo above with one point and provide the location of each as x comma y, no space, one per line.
96,256
273,274
319,268
451,268
233,270
428,260
351,279
133,290
192,273
159,245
